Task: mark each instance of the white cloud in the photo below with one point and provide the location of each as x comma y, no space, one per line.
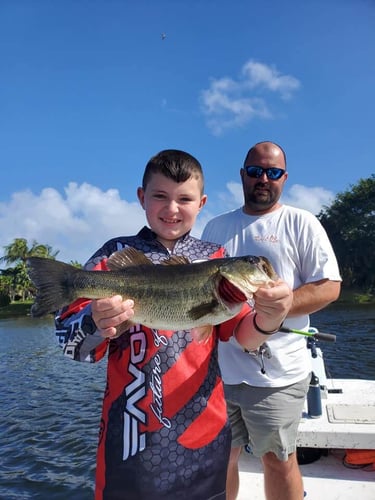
75,223
81,219
230,103
310,198
234,197
260,75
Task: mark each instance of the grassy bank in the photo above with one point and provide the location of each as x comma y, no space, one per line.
15,309
349,296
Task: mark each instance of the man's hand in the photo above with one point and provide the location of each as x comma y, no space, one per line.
272,305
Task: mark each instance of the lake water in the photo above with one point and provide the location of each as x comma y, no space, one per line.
50,405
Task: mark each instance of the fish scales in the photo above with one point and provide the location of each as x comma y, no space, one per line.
162,295
174,296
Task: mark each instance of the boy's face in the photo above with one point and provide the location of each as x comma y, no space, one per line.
171,207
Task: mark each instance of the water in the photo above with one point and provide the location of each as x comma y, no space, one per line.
50,406
353,353
49,416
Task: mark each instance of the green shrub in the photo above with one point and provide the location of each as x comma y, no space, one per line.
4,299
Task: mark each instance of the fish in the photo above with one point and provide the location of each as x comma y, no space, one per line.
174,295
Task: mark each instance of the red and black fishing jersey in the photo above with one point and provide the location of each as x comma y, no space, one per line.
164,431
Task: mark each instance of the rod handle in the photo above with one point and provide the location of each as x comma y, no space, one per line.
328,337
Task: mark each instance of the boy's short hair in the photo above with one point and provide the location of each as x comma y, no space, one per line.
174,164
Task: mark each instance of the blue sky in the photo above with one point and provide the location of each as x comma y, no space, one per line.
89,91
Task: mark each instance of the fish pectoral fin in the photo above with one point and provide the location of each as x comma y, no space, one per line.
127,257
201,334
198,312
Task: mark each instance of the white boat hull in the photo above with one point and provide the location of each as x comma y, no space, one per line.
348,417
347,422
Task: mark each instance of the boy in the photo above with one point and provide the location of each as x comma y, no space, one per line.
164,430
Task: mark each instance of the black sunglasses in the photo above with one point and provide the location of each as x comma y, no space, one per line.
272,173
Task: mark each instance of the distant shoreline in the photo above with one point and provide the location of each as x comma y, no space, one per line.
15,310
347,297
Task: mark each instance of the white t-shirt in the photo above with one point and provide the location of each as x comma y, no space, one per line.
299,249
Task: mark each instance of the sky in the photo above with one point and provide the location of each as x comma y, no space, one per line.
90,90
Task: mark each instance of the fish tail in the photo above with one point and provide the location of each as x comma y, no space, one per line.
53,280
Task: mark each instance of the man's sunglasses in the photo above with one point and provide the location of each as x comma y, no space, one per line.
272,173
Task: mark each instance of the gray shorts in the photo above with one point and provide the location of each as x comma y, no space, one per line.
266,418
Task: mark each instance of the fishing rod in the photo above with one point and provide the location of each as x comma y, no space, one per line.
328,337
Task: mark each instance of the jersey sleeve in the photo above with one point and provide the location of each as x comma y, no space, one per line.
76,331
225,330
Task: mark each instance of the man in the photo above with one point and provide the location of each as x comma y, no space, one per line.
265,389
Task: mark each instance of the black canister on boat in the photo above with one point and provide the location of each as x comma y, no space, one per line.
314,399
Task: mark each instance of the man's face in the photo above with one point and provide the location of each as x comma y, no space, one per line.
263,193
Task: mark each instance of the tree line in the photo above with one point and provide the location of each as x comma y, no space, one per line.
349,222
14,280
350,225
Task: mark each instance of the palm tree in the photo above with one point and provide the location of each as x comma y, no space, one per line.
17,253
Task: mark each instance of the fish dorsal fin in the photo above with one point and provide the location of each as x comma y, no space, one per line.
127,257
173,260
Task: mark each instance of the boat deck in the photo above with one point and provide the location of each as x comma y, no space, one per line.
347,421
348,417
325,479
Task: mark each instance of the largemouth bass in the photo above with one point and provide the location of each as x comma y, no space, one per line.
174,295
